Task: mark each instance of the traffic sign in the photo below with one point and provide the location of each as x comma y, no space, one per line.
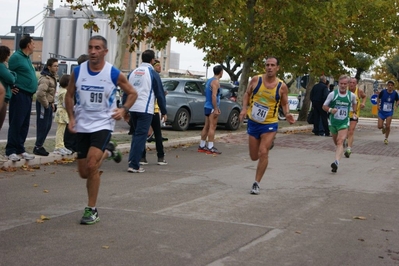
373,99
376,84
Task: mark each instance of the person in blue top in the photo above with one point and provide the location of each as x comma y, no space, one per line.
212,112
387,102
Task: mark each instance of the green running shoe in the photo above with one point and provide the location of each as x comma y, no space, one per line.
90,216
115,154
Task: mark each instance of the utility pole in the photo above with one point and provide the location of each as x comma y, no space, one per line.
19,30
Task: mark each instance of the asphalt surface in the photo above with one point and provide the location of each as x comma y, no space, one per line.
197,210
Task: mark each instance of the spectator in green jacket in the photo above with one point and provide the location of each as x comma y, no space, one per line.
20,105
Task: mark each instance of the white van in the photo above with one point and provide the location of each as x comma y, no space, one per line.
66,65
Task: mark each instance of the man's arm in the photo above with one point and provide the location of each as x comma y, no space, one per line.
41,92
326,104
159,94
129,92
69,98
379,100
2,95
363,96
214,87
246,97
354,103
284,103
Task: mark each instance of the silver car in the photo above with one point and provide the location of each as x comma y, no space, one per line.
185,105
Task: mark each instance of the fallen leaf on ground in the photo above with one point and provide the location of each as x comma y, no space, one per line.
44,217
361,239
105,247
45,191
359,217
298,232
39,221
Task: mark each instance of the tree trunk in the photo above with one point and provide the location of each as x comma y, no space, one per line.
303,114
246,69
124,32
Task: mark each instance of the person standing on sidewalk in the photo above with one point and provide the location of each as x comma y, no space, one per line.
156,129
338,104
45,107
212,112
359,93
260,103
387,103
94,83
148,84
61,118
318,95
7,80
20,105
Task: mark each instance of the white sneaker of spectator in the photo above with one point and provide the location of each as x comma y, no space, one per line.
60,151
68,152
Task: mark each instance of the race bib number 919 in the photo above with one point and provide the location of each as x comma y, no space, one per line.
92,98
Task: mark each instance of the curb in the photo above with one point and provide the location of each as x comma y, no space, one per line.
125,147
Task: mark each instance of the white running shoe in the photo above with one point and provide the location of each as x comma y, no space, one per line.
255,188
14,157
68,152
27,156
131,170
60,151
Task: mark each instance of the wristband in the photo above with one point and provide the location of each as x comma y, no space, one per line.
329,110
126,109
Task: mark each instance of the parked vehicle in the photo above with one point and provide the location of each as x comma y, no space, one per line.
185,105
229,91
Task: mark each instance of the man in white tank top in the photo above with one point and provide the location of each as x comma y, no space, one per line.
94,84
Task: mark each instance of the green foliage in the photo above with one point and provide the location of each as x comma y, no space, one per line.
313,37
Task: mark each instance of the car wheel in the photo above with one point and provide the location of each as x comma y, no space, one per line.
281,115
234,120
182,120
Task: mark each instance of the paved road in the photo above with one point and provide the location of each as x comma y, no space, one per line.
198,211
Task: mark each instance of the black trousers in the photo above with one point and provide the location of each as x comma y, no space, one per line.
320,115
156,127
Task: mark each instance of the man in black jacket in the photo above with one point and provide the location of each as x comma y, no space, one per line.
318,95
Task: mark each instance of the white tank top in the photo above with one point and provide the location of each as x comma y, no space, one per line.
95,99
141,80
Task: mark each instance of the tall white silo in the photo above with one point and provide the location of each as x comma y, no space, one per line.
67,37
63,12
81,38
112,39
104,30
50,37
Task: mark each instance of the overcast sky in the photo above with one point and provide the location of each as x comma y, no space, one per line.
190,57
